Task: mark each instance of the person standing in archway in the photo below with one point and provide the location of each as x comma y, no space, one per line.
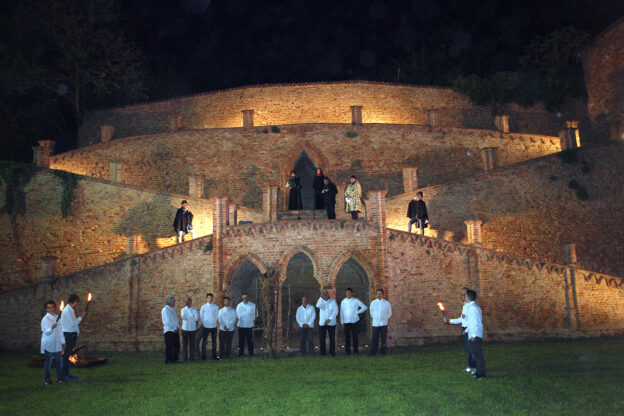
353,193
350,309
328,310
329,192
319,202
306,315
294,198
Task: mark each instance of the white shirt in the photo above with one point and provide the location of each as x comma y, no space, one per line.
306,315
328,309
190,316
52,340
380,311
474,323
227,318
208,314
69,321
169,319
246,314
349,310
462,319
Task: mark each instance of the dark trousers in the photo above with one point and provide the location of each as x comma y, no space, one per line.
331,211
354,215
477,350
188,343
351,333
172,346
70,343
323,331
245,335
380,333
225,343
471,360
213,334
307,341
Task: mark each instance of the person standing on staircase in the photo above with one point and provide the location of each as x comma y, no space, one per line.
183,222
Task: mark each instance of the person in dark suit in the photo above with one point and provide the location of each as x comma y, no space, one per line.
183,222
417,213
319,201
329,192
294,199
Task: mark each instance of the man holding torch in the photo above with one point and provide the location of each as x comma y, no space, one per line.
52,343
70,324
464,323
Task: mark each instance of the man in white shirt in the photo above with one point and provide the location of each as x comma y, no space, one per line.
171,326
209,314
474,328
70,323
227,323
328,310
380,311
306,314
246,314
462,321
190,316
52,343
350,308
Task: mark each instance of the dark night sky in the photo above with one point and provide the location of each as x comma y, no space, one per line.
197,45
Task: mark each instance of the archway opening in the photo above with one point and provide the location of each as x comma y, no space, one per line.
352,275
299,282
306,170
245,281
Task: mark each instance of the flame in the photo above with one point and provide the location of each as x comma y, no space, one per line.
62,306
89,297
441,306
73,358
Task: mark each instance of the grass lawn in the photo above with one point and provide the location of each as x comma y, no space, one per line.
579,377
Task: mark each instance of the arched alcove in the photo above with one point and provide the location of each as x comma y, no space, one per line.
352,275
306,170
245,281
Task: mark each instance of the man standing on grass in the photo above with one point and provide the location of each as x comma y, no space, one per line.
328,310
52,343
474,328
246,314
462,320
70,324
171,326
306,314
380,311
209,314
227,323
350,308
190,316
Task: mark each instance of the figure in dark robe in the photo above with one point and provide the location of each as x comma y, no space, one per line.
329,192
318,187
417,213
294,198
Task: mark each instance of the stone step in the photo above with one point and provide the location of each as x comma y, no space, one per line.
305,214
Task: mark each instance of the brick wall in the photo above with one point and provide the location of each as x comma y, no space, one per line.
530,209
239,162
318,103
104,215
603,63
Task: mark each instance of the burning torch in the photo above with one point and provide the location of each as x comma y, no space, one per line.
89,299
61,307
441,306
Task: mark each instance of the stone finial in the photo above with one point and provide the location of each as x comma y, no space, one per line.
196,186
248,120
42,153
341,214
116,171
489,157
48,267
269,204
233,215
133,244
569,254
473,231
356,115
376,208
502,123
433,119
410,178
106,133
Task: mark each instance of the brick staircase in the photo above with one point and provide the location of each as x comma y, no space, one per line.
305,215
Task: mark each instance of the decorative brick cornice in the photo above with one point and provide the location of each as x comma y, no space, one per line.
286,226
506,258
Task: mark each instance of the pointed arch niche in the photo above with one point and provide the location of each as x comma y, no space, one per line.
304,159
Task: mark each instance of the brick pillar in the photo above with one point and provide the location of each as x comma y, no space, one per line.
376,210
341,214
502,123
196,186
573,131
115,171
248,120
473,231
48,267
356,115
106,133
489,157
42,153
569,254
133,244
233,215
410,179
174,122
432,118
269,204
220,212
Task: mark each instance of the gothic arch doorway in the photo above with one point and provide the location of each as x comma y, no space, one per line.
303,159
352,275
245,281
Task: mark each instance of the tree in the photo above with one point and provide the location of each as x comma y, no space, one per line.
69,52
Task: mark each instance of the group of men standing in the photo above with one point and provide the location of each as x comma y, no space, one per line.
227,319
